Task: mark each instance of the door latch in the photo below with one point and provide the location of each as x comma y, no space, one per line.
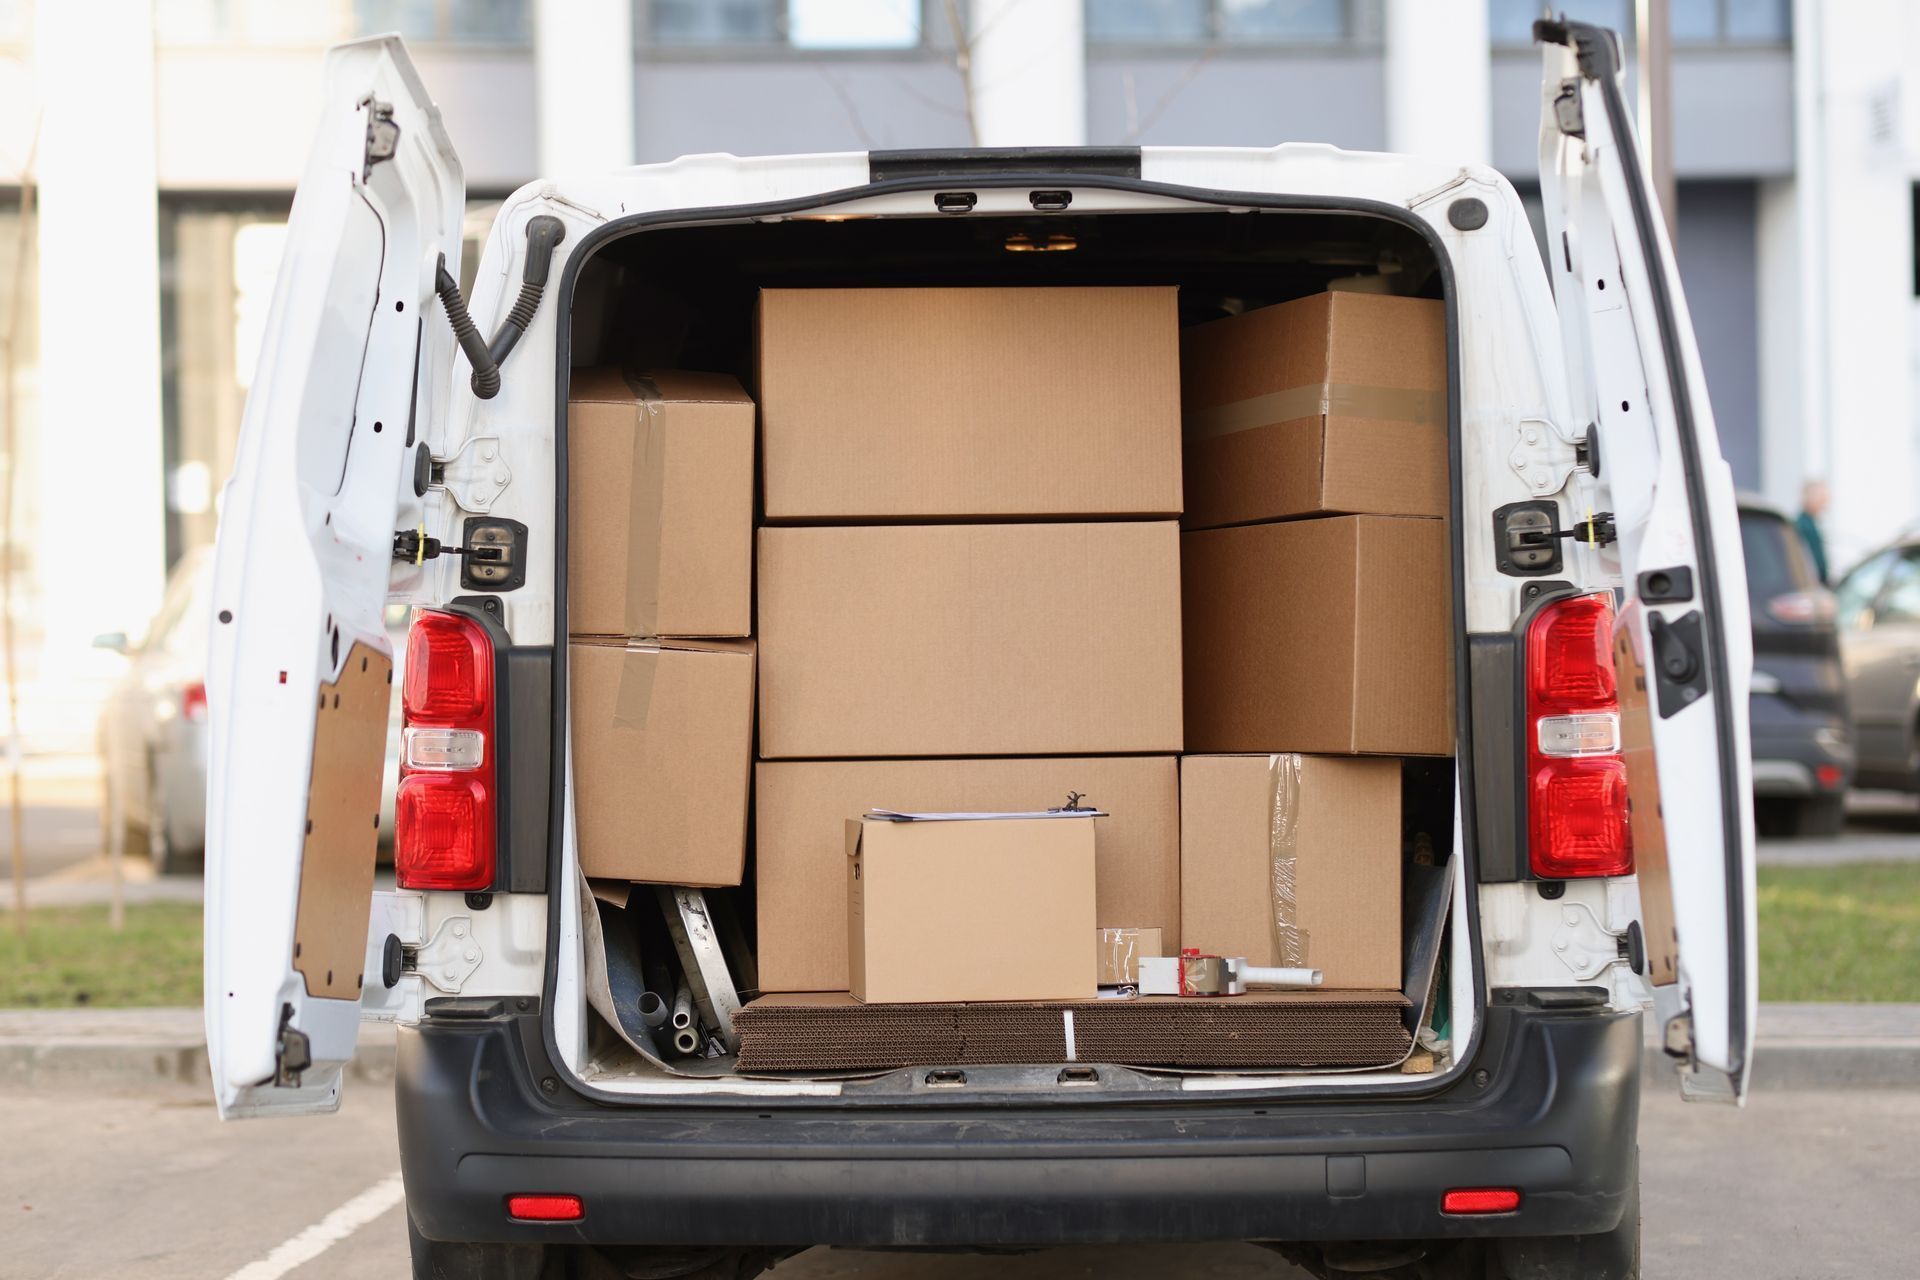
1679,667
292,1053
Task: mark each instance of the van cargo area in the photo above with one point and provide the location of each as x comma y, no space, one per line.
1132,526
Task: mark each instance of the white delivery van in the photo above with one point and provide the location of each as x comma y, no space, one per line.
1604,851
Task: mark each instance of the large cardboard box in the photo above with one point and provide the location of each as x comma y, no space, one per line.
977,909
890,403
969,640
659,505
801,808
1330,403
1330,635
1293,860
662,758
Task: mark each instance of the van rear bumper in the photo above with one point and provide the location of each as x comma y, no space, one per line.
1555,1115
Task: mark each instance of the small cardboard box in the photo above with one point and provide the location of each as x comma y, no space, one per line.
1330,635
1330,403
989,908
659,505
957,403
969,640
662,758
1325,829
801,808
1119,952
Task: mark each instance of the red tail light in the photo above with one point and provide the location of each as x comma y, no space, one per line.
1576,777
193,701
1480,1200
545,1208
444,811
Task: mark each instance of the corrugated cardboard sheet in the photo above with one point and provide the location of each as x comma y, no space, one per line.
662,757
982,909
1293,860
891,403
1330,403
1330,636
800,813
659,505
955,640
832,1032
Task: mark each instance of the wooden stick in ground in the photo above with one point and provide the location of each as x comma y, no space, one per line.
10,441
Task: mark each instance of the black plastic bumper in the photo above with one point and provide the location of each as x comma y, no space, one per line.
1551,1109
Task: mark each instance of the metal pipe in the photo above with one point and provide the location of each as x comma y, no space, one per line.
683,1009
653,1010
686,1041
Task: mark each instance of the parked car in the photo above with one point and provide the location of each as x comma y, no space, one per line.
1802,734
1599,628
152,736
1877,606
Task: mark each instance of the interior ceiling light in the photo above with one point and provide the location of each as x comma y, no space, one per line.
1021,242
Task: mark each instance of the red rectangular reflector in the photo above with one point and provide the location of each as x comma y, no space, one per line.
545,1208
1480,1200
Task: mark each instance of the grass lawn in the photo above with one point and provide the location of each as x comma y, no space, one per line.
1848,932
69,957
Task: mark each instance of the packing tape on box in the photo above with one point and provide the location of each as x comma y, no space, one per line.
1290,941
633,701
1334,399
646,527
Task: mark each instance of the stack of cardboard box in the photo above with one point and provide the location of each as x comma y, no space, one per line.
968,592
660,572
1315,573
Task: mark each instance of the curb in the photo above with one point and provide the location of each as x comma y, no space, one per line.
1800,1047
89,1049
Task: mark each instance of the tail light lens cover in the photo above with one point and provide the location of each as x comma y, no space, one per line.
1577,806
444,810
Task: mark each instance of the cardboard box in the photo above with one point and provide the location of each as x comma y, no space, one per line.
969,640
890,403
801,808
1325,827
1329,635
659,505
1118,952
662,758
980,909
1331,403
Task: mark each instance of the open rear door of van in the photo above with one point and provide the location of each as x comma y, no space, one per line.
353,371
1683,647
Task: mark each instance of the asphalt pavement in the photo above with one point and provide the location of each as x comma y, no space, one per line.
1801,1185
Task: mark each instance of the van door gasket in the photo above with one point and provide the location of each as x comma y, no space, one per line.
632,224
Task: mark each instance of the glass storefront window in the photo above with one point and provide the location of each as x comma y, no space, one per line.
462,22
799,24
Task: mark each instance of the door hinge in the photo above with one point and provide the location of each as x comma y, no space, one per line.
448,958
1567,111
1542,457
475,473
1585,945
383,136
1677,1036
292,1053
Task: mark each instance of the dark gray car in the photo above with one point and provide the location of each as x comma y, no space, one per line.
1803,751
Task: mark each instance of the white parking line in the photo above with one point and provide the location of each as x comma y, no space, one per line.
329,1231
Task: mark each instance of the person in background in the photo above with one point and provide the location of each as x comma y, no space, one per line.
1813,505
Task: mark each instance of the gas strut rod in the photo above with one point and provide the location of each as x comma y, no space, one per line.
543,234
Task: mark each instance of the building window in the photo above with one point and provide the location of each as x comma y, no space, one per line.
795,24
1732,21
256,22
464,22
1694,22
1308,22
